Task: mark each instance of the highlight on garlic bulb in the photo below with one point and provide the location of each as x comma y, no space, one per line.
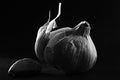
71,49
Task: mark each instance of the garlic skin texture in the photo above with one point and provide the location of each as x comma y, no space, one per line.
72,49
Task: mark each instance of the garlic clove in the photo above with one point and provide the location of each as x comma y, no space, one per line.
24,67
43,35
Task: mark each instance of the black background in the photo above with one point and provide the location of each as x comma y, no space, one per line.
20,20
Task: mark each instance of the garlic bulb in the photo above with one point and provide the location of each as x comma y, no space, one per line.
72,49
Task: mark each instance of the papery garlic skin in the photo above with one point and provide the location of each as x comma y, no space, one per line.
92,50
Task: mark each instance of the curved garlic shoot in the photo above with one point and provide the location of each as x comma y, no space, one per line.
52,24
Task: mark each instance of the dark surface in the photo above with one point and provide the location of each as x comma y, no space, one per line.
20,20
